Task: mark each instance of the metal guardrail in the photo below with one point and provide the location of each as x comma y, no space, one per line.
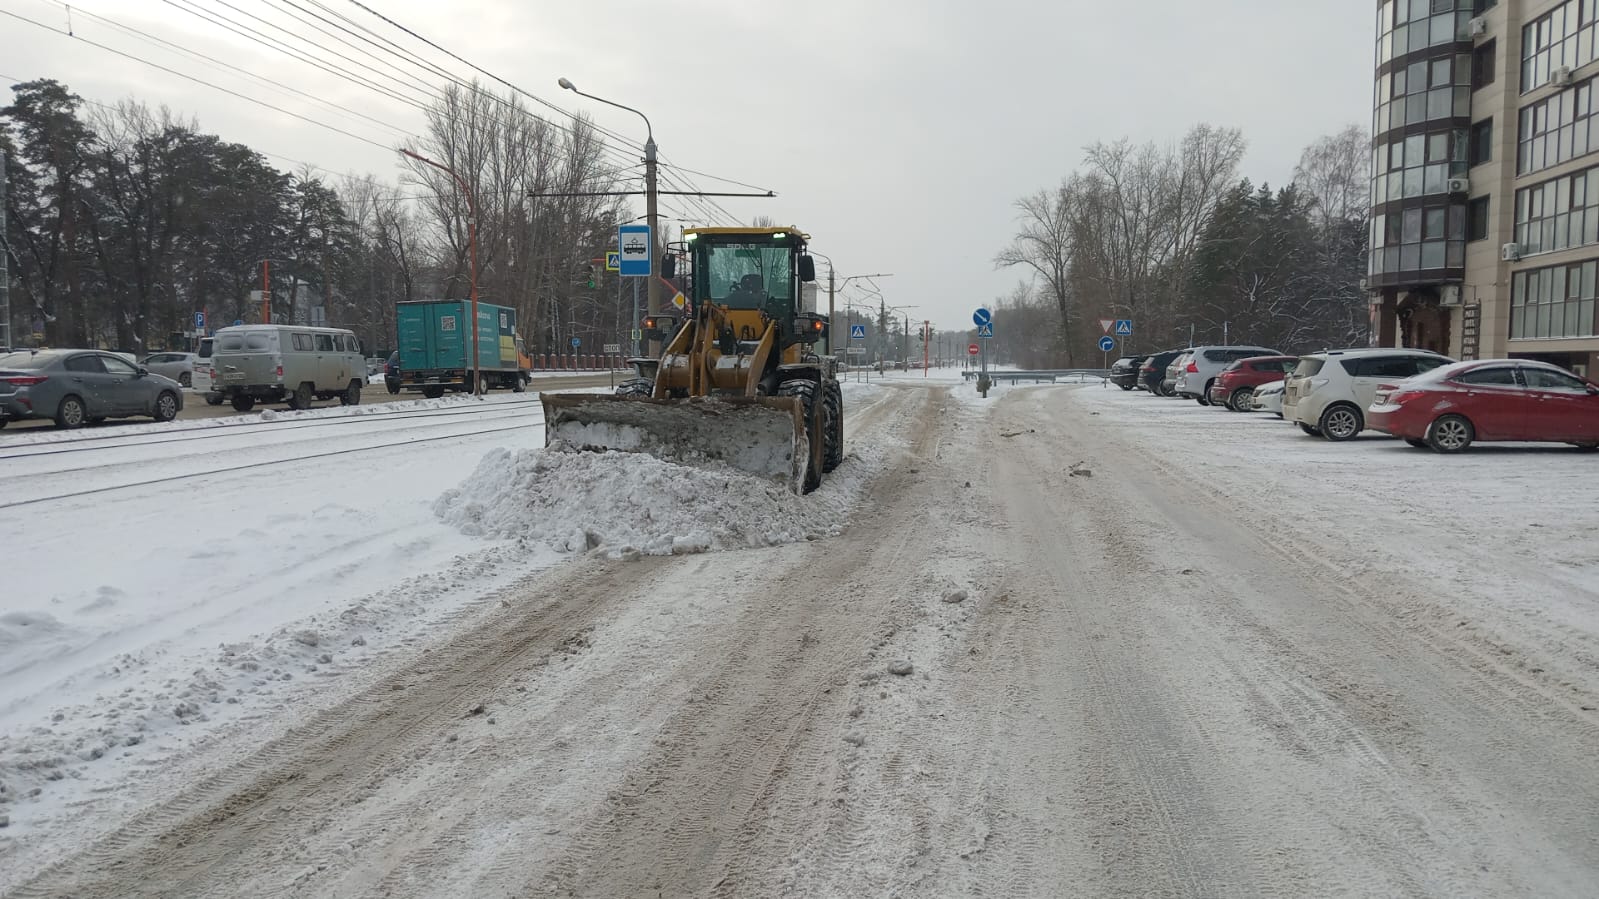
1050,376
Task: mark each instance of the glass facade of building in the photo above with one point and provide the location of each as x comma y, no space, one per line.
1421,127
1557,301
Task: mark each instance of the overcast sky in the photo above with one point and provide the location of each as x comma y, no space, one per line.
898,134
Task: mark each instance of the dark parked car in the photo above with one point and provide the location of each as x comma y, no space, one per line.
1153,371
1451,407
1124,371
77,387
1237,383
391,372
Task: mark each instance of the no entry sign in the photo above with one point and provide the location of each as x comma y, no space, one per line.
971,349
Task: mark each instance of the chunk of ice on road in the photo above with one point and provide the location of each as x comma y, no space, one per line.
636,501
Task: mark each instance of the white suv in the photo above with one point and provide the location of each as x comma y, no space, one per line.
1327,393
1204,363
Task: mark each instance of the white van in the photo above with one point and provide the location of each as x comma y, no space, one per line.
286,363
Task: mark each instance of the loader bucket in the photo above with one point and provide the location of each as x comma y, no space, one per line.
764,436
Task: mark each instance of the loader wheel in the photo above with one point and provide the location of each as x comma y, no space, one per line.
833,398
805,392
643,387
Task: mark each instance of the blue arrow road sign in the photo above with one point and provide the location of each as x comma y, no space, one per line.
577,342
199,321
634,242
237,322
985,331
982,317
1107,343
1124,327
857,332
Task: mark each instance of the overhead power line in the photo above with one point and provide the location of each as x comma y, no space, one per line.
200,81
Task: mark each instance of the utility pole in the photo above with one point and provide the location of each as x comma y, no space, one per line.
266,291
650,194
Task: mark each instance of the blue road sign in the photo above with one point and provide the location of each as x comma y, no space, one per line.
985,331
634,243
857,332
577,342
1107,343
613,261
1124,327
237,322
199,321
982,317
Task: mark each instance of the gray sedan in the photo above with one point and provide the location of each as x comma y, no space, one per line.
177,366
75,387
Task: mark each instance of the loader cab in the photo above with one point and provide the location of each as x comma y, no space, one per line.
749,268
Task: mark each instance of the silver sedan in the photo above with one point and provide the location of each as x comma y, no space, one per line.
78,387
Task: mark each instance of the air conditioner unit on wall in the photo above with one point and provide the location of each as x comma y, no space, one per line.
1479,26
1511,252
1449,295
1561,77
1459,185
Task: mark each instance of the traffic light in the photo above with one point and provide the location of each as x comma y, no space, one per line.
590,268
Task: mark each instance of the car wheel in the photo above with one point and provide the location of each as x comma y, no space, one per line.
1418,444
1450,434
302,397
243,403
166,406
1241,400
351,395
1308,429
1341,422
70,414
213,399
433,393
1587,445
393,387
185,379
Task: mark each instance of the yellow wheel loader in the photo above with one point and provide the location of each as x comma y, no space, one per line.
738,381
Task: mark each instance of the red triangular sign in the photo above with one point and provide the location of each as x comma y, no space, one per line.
1107,324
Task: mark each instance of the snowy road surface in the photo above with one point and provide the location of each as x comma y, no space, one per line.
1153,650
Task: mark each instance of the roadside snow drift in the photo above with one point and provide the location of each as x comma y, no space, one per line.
634,502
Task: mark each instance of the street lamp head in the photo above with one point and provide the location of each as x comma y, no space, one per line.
566,85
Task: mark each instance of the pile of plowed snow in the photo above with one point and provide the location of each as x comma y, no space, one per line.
633,502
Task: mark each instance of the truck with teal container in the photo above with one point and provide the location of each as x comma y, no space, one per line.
435,347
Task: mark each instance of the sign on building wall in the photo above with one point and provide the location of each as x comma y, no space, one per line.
1470,329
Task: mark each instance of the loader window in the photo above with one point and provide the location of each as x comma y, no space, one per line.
746,275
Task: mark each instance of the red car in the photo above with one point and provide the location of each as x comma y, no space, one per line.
1449,408
1237,383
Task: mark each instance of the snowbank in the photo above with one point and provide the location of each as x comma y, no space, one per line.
624,503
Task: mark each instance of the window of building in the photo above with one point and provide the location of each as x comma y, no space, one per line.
1482,142
1481,6
1553,302
1561,38
1428,238
1423,92
1483,68
1418,165
1556,129
1558,214
1477,219
1405,26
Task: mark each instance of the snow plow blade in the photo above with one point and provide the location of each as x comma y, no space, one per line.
764,436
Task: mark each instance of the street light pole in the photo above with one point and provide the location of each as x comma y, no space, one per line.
653,286
471,240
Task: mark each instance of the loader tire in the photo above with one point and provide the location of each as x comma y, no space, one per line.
805,391
643,387
833,398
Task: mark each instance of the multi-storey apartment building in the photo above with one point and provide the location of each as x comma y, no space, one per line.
1485,179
